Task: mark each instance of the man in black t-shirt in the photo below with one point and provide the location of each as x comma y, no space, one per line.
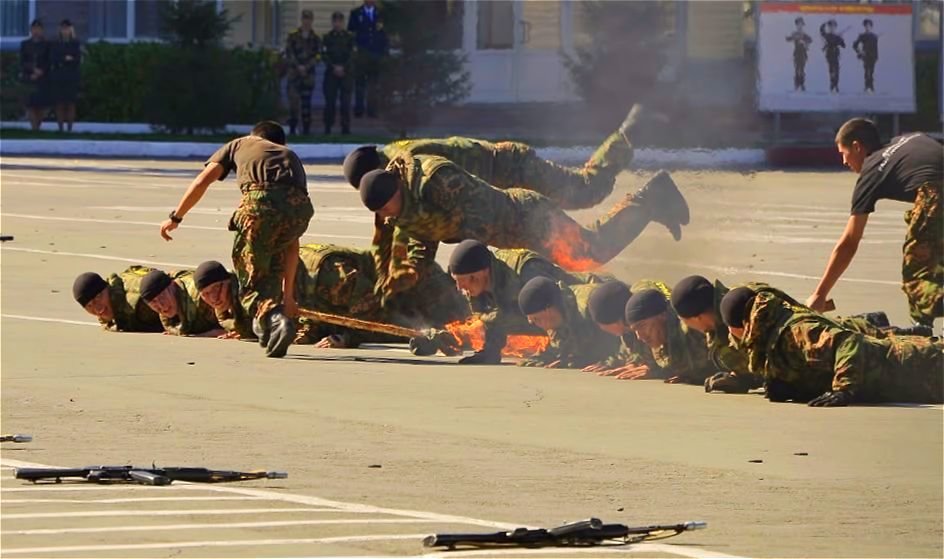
908,170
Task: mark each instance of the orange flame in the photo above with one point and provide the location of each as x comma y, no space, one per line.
568,248
471,334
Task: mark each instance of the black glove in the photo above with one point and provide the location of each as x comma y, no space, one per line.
833,399
727,382
487,356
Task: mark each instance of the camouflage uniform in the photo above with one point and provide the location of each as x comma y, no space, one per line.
805,354
235,319
922,269
193,315
342,280
131,312
515,165
632,351
579,341
441,202
301,51
338,51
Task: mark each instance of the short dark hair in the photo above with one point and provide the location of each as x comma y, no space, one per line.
269,130
799,20
860,130
336,16
36,23
867,22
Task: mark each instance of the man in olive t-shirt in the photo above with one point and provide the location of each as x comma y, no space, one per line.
908,170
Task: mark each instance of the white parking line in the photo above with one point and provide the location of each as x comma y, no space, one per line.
133,500
225,526
97,257
213,543
43,319
179,512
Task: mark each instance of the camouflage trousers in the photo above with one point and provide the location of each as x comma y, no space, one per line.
266,223
299,101
922,268
894,369
517,165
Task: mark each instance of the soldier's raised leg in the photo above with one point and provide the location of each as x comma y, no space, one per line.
922,270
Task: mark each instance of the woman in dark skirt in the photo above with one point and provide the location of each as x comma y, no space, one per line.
66,56
34,73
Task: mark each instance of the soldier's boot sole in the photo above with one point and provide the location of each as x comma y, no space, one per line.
666,203
282,334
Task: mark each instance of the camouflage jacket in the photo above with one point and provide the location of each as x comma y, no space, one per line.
338,50
338,280
811,354
685,353
302,51
193,315
579,341
475,156
235,318
131,313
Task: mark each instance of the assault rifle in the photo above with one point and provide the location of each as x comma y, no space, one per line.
583,533
16,438
144,476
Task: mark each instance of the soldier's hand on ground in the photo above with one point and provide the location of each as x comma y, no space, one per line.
637,372
553,365
817,302
833,399
595,368
333,341
166,228
228,336
674,380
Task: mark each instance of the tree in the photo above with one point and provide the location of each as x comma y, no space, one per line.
195,23
622,62
422,73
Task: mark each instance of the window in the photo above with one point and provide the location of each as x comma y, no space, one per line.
147,17
496,25
108,19
14,18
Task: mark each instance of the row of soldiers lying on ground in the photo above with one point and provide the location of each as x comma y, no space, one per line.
697,332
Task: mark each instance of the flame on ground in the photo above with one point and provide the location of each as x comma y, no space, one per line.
471,333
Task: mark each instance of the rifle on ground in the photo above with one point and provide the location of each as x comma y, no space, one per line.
5,238
143,476
577,534
16,438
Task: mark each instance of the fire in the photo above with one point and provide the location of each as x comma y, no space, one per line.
568,248
471,334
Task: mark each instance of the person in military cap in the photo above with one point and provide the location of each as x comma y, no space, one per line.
116,302
177,301
801,47
806,357
433,200
273,214
561,311
338,57
219,289
302,48
866,48
832,42
507,165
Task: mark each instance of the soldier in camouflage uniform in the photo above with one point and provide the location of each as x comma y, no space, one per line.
341,280
176,300
491,283
507,165
338,56
432,200
561,311
910,170
219,289
302,48
116,302
806,357
273,214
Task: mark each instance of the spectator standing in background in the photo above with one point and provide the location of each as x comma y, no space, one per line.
66,55
367,25
338,56
302,48
34,70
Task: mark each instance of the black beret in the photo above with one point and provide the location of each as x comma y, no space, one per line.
209,273
377,188
470,256
645,304
693,296
360,162
337,16
735,304
606,303
538,294
153,283
87,286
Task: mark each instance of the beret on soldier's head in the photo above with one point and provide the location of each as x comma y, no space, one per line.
470,256
538,294
86,286
377,188
337,16
153,283
735,304
644,304
692,296
606,303
360,162
209,273
307,14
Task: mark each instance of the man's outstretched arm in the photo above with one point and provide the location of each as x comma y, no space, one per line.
839,260
210,173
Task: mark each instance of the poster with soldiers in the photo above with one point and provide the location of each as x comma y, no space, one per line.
829,57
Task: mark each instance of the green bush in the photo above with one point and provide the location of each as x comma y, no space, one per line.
11,89
115,80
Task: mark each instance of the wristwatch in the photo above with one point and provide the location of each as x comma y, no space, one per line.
173,217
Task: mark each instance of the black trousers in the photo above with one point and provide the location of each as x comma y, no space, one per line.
337,89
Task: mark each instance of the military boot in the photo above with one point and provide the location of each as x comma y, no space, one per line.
665,203
281,333
876,318
916,330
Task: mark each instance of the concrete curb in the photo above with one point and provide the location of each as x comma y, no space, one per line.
687,158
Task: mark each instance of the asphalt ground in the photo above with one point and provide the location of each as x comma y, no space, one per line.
382,447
